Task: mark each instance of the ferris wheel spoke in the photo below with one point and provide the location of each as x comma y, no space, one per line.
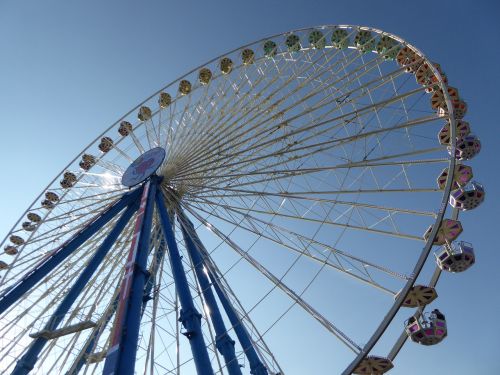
169,124
278,283
156,129
216,126
122,153
288,81
230,193
305,112
136,140
171,132
57,233
95,196
364,132
306,196
232,179
70,200
314,250
108,166
334,223
103,178
72,210
210,110
325,145
76,212
150,133
296,132
29,259
308,110
236,189
107,171
369,95
242,193
205,110
281,236
180,124
287,174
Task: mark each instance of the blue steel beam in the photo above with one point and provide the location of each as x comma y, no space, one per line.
256,365
32,277
224,343
122,354
28,360
189,316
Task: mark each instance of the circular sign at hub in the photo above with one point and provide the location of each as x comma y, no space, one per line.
143,167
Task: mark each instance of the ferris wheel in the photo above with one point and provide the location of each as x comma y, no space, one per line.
295,199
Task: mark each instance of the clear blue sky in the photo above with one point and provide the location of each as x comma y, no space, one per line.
69,69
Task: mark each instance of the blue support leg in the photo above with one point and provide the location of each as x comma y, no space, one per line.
122,353
256,365
28,360
53,259
224,343
189,316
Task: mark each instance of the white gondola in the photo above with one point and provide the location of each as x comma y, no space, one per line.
456,257
468,197
467,147
428,329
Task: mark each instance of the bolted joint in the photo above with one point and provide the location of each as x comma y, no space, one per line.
258,369
24,365
224,342
142,270
191,321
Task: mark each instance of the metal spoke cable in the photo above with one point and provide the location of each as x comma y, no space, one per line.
327,324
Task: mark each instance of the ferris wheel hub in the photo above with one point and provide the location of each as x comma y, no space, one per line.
143,167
